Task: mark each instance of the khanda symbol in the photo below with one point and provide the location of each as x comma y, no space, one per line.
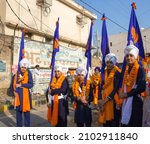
56,44
23,53
135,35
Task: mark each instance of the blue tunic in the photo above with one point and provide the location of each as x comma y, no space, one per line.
20,91
137,104
83,113
63,103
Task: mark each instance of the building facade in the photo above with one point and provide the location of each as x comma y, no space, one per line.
39,17
118,42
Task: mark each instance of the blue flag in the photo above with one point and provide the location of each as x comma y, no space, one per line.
21,56
55,49
134,33
88,53
22,51
104,45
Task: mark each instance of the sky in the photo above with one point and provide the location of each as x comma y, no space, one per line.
118,11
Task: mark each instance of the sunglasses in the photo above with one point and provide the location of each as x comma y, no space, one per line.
81,75
23,67
129,55
109,62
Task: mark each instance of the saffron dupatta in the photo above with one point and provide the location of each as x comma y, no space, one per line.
52,114
25,92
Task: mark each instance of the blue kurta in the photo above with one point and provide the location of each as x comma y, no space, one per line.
83,114
63,103
137,104
28,85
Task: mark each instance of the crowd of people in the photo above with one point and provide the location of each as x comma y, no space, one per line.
117,97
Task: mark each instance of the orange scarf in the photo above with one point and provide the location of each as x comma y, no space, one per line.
108,87
109,78
52,114
85,90
96,80
25,95
130,78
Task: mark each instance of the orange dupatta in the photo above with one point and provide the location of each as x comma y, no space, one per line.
25,96
108,87
130,79
96,80
85,90
52,114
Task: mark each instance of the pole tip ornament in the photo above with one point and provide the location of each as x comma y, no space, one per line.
103,17
57,22
133,5
92,21
24,30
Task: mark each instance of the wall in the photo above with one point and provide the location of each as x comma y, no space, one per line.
119,42
68,26
2,10
5,61
37,53
40,53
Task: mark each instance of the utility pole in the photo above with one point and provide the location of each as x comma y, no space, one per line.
97,44
145,44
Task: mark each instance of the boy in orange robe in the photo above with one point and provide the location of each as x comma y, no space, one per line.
96,85
110,92
21,84
82,97
58,103
134,83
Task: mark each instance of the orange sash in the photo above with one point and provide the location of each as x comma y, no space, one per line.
25,94
52,116
108,87
96,80
130,79
143,94
52,113
85,90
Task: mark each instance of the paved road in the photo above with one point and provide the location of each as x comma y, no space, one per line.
38,118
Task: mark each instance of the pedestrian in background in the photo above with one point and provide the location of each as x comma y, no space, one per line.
96,85
70,82
36,83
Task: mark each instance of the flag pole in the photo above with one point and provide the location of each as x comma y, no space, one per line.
88,54
55,50
21,56
134,36
104,46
